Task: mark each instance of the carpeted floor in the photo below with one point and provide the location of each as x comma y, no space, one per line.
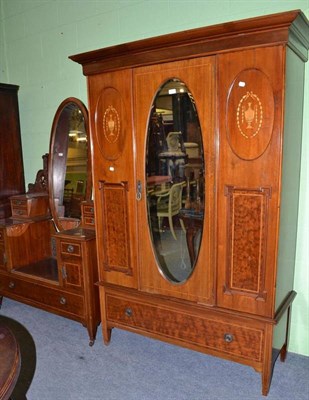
133,367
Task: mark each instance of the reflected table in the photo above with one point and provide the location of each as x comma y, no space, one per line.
193,222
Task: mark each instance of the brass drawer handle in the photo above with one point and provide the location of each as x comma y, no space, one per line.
63,300
70,248
128,312
11,285
228,337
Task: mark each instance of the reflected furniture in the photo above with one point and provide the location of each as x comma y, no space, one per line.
12,180
169,204
238,93
47,257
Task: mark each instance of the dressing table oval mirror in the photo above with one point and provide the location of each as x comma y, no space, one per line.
69,164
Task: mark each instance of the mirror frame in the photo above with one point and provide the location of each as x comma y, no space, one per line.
56,170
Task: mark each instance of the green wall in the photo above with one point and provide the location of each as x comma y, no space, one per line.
37,36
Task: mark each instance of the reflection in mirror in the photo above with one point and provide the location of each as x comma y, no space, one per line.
175,180
69,175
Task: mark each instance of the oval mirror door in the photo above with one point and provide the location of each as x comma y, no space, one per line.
69,175
175,180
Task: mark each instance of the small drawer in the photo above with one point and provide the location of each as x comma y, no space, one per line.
29,205
88,209
19,212
70,248
89,220
217,335
19,203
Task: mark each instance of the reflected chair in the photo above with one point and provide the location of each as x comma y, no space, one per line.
169,205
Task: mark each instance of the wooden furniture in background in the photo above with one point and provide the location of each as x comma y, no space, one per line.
43,261
11,172
247,82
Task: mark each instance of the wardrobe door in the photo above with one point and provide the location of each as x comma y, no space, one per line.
110,106
174,128
250,114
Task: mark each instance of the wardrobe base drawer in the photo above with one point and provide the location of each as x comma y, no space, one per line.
213,333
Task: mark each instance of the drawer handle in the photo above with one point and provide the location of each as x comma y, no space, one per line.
70,248
11,285
19,212
128,312
91,210
228,337
63,300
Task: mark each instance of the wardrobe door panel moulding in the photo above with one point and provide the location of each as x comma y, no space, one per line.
196,159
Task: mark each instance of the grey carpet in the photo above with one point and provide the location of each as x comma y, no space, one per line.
134,367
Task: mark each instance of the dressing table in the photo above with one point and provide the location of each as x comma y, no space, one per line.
48,258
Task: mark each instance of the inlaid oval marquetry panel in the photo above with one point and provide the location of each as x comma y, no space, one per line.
109,123
250,114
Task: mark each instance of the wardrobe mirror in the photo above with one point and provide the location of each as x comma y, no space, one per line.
69,173
175,180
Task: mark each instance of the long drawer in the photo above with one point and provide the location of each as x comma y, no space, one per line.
42,296
208,333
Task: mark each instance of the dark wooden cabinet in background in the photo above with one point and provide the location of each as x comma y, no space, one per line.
243,82
11,159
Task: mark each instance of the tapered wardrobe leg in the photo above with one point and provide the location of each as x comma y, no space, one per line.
267,364
107,332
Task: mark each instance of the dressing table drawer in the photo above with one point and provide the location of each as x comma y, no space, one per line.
215,334
40,295
70,248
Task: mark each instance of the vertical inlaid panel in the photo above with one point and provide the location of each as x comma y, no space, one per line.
247,223
115,227
250,114
109,123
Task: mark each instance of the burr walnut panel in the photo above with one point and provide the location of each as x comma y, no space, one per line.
116,237
246,244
